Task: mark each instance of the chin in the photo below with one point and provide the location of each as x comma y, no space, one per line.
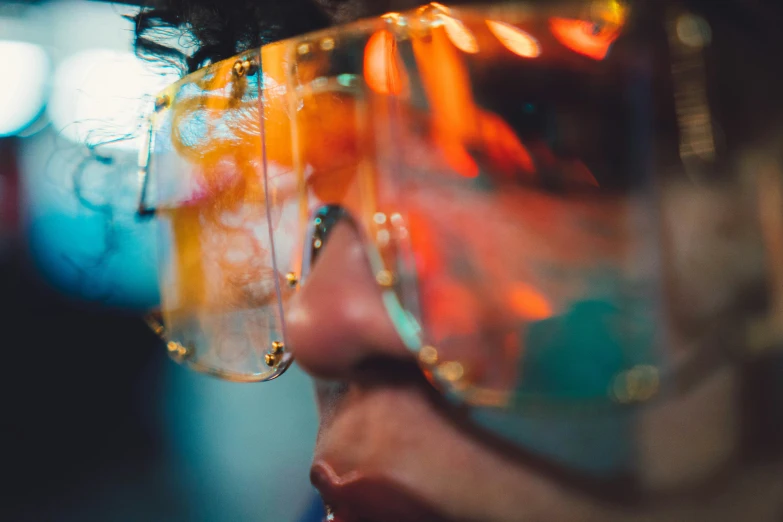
398,453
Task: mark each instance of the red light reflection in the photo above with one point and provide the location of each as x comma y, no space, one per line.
585,38
382,69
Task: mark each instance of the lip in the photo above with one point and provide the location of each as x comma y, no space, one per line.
357,497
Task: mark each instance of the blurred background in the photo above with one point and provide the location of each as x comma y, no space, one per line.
97,423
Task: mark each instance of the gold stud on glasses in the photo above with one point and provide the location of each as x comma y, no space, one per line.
428,355
177,351
244,67
273,357
392,17
639,384
162,102
327,44
291,279
385,278
451,371
155,322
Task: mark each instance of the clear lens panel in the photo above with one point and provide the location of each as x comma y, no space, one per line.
219,288
486,156
520,173
525,201
558,185
327,125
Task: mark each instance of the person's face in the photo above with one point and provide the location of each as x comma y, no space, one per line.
390,446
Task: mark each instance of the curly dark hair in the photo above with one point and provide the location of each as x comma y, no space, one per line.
188,34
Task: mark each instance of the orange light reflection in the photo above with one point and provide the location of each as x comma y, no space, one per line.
459,35
515,39
382,69
581,37
528,303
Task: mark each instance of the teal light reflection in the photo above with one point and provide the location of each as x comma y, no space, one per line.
82,232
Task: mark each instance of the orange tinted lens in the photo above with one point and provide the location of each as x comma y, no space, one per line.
510,169
218,284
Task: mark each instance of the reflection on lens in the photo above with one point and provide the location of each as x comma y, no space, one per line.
513,171
515,40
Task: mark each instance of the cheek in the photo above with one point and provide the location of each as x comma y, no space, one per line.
682,442
714,254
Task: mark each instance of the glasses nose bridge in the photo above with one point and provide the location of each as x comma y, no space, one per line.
322,223
385,270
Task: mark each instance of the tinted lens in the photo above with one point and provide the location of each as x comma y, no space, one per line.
562,190
218,284
538,185
530,206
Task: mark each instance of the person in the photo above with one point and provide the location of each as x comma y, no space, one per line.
561,300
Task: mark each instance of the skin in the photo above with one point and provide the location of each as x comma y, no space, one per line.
391,427
387,440
381,421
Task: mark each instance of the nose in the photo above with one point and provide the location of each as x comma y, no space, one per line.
337,320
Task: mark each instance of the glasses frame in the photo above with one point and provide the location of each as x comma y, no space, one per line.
632,388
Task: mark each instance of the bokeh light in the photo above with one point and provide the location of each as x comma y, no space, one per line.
100,97
515,39
24,85
459,35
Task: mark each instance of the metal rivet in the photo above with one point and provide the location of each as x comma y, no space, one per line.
271,359
451,371
385,278
638,384
239,68
303,48
162,102
277,347
428,355
156,325
291,279
382,238
327,44
244,67
177,350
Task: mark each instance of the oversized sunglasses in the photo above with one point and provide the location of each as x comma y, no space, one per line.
504,166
